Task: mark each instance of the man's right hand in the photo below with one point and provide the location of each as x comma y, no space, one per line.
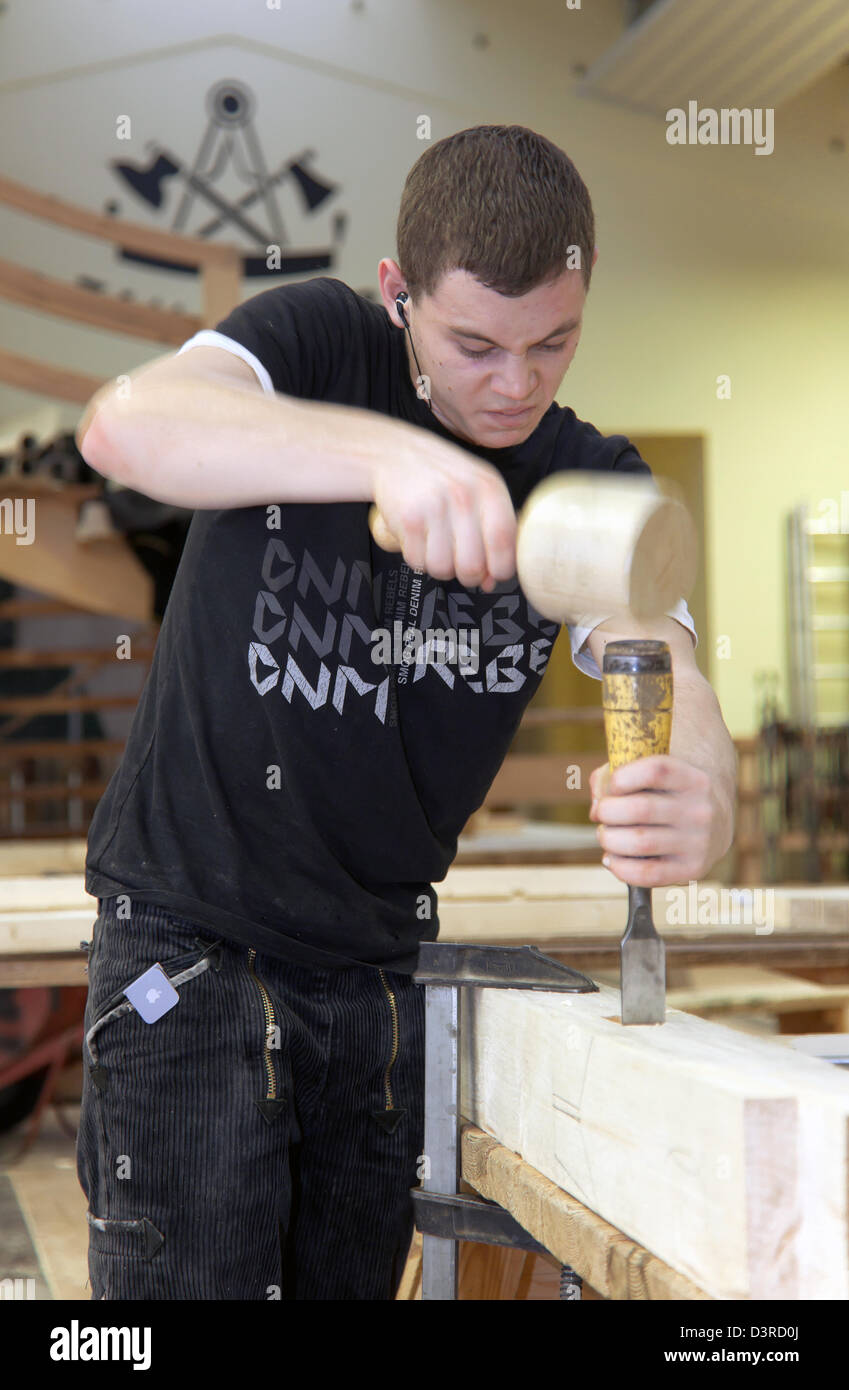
450,512
196,430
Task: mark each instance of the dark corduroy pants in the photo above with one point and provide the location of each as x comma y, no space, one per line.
260,1139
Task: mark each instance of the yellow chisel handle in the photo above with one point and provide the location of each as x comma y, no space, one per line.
637,699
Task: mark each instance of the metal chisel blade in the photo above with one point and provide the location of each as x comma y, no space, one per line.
642,957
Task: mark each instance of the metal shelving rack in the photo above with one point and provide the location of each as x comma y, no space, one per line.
817,608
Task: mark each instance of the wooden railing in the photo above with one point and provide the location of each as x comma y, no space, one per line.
219,266
50,786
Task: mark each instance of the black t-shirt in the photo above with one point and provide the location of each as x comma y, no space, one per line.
278,784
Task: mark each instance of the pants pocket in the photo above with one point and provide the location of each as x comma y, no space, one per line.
134,1239
178,970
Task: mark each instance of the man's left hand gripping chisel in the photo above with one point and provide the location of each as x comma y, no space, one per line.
637,698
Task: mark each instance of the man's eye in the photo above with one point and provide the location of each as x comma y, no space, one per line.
544,347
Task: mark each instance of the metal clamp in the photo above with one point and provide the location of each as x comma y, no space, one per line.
443,1215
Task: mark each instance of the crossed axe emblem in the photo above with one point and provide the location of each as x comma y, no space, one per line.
230,128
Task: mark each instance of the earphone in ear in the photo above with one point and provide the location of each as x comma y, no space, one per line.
401,299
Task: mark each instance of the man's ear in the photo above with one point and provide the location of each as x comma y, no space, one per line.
595,256
391,283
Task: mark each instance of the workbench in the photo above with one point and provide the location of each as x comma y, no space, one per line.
613,1265
575,913
578,915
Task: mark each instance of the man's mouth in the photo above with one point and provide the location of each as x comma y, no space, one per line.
512,414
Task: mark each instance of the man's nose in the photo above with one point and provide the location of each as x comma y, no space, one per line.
514,379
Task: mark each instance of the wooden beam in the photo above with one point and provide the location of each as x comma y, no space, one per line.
43,380
20,859
31,705
67,656
555,905
66,750
546,906
706,989
540,779
36,607
103,576
19,285
221,289
150,241
38,972
615,1266
724,1154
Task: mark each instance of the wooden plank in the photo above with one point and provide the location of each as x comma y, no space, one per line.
22,859
66,750
410,1287
724,1154
68,656
60,704
46,933
221,288
103,577
541,779
60,383
55,791
31,972
133,236
554,907
615,1266
559,904
729,987
21,285
34,894
37,608
54,1206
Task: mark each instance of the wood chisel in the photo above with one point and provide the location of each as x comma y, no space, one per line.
637,699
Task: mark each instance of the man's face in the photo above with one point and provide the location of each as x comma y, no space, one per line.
495,363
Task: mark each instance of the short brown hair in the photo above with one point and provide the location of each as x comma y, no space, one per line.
500,202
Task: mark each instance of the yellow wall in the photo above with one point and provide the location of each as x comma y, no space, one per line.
780,439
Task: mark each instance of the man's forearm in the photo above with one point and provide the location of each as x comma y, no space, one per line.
199,443
700,737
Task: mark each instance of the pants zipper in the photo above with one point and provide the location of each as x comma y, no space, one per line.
390,1105
269,1026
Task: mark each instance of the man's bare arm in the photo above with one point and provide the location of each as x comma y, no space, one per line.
197,430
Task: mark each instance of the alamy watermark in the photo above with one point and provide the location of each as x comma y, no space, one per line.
716,907
84,1343
434,646
729,125
833,516
17,1287
15,521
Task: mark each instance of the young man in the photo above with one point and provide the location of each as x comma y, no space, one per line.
288,797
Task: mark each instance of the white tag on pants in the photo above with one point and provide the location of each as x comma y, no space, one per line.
152,994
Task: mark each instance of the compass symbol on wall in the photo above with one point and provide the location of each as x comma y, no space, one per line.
230,139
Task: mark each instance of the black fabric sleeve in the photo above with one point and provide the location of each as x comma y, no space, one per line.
613,452
300,333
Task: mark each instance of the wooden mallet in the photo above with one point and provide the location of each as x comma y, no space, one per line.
596,545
